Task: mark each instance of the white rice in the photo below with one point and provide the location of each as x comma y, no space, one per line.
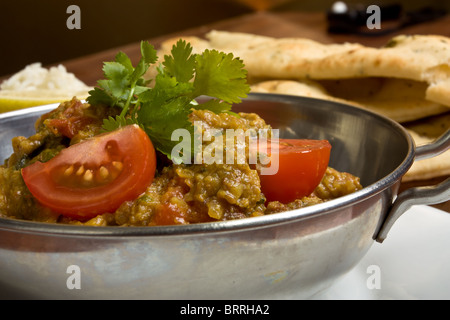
35,77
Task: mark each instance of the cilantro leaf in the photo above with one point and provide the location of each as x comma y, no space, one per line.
181,64
161,123
111,124
181,78
125,61
118,83
221,76
165,89
214,105
100,96
123,81
148,52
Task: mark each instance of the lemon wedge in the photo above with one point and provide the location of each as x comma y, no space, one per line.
13,100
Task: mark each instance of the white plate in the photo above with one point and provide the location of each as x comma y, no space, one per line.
412,263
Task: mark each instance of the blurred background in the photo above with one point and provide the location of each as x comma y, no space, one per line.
35,31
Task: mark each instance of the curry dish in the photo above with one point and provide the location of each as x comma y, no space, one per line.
178,194
152,151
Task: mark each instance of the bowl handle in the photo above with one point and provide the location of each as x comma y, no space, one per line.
419,195
435,148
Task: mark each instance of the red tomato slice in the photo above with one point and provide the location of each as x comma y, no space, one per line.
94,176
302,164
72,119
168,213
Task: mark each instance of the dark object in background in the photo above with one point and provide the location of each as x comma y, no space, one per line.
345,18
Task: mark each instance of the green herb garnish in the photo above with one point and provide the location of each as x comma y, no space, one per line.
181,79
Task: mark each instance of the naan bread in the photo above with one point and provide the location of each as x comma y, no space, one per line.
419,57
399,99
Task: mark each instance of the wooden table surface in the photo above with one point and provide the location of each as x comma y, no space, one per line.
277,24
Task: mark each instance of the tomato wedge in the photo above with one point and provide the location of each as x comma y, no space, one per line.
302,164
94,176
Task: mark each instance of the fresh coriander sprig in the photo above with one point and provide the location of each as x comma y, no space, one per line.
181,78
123,81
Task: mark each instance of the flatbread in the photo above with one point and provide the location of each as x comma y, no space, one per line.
265,56
421,58
418,57
399,99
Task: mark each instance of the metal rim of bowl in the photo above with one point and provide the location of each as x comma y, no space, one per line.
230,225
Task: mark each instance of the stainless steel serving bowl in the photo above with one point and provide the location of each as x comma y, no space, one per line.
297,253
